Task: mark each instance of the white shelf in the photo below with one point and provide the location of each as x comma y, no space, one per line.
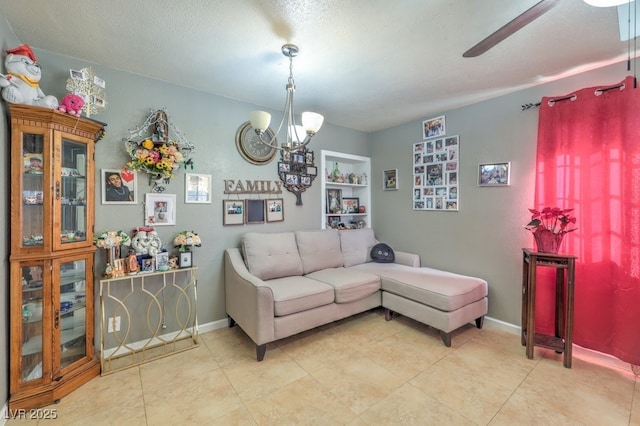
347,164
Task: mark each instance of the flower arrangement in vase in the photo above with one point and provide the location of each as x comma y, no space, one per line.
549,227
185,240
111,242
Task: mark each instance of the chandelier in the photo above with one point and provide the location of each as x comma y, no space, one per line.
297,136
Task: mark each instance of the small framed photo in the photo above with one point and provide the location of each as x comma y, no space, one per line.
284,167
119,186
197,188
390,180
255,211
433,128
160,209
148,265
334,201
494,174
312,171
233,212
308,157
33,163
292,179
275,210
162,261
350,205
185,259
298,158
305,180
333,221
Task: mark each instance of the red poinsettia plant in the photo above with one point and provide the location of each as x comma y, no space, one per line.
554,219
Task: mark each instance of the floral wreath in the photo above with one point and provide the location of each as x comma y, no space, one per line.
159,154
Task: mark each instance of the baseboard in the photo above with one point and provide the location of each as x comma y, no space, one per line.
585,354
506,326
215,325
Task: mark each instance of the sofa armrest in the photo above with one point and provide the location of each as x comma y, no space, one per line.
408,259
249,301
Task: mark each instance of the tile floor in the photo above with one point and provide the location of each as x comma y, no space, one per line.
361,371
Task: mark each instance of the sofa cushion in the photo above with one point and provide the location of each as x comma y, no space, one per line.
442,290
356,245
297,294
271,255
319,250
350,285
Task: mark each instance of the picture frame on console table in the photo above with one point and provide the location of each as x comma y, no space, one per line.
185,259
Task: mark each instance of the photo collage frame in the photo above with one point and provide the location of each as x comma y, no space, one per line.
436,174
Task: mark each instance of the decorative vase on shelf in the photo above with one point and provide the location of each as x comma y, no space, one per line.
547,241
336,172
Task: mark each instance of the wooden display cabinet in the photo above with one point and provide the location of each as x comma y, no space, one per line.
51,286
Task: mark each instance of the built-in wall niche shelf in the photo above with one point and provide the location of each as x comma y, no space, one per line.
345,190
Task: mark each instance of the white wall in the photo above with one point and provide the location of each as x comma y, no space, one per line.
484,238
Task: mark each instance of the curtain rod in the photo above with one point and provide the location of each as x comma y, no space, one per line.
573,97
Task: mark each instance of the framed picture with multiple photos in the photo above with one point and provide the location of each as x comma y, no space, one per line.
436,174
275,210
232,212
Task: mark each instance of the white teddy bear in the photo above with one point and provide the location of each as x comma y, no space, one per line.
146,243
22,84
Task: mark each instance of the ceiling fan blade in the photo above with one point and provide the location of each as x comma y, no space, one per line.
511,27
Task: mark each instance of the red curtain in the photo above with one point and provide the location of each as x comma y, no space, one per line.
588,159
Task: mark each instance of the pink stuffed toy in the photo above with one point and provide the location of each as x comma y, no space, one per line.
72,104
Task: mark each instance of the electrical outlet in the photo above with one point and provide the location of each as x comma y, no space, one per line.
113,324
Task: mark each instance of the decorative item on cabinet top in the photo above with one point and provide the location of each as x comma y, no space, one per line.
91,88
159,149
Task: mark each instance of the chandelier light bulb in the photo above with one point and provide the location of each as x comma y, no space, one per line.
260,120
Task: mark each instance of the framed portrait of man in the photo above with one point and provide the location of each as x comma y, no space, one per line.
119,186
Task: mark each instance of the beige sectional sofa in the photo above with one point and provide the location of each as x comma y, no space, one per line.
280,284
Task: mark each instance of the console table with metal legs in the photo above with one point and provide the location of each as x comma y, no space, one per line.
562,340
147,316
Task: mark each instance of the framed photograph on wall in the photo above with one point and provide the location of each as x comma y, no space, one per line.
494,174
254,211
160,209
197,188
233,212
118,186
433,128
390,180
275,210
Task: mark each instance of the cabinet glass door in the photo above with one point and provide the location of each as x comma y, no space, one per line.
70,313
32,356
33,160
71,193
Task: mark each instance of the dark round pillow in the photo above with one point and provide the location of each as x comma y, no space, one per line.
382,253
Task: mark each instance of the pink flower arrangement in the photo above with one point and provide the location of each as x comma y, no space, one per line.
553,219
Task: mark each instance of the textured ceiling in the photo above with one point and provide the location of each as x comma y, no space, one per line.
364,64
